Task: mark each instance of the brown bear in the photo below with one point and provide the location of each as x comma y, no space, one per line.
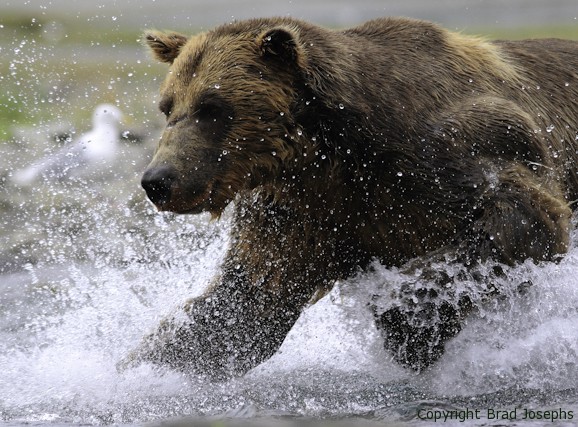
392,141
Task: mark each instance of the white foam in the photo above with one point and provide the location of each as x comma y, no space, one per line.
62,361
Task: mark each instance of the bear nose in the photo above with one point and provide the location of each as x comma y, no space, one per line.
157,183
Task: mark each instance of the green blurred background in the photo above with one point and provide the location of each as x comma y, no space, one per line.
60,58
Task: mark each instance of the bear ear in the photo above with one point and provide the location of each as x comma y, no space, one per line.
280,43
165,46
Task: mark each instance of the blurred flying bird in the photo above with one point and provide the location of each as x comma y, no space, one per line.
92,150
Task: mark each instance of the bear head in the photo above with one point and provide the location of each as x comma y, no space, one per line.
236,102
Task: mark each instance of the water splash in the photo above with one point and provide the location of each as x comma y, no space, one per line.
109,268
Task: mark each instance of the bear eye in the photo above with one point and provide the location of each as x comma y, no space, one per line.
208,112
213,115
212,108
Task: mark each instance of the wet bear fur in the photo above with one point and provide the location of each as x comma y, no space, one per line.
396,141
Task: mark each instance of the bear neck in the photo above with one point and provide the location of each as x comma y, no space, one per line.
338,199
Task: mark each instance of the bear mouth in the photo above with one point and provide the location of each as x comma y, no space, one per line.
183,202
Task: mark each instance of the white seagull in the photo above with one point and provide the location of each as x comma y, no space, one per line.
92,150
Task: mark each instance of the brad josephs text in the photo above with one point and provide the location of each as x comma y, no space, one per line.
494,414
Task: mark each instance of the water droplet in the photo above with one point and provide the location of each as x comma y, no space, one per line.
114,18
217,86
550,128
400,174
341,106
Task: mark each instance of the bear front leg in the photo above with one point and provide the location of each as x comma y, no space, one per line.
416,329
429,307
227,331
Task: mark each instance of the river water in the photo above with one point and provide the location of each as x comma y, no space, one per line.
90,268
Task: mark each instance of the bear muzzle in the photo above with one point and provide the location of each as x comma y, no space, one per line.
164,189
158,183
